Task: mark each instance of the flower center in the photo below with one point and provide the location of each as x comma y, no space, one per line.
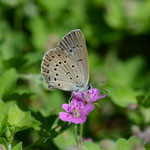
76,113
88,96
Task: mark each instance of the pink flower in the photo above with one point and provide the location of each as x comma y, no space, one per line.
76,112
89,96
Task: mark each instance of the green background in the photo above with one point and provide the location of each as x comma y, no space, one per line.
117,34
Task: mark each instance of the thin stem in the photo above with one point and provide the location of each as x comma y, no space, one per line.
76,134
81,133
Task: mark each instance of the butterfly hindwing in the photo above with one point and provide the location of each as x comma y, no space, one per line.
60,71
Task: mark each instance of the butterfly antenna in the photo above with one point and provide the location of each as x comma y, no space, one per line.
98,82
104,90
100,88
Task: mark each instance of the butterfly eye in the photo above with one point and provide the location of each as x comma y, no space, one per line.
70,50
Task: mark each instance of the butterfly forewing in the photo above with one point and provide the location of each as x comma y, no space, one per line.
74,44
64,67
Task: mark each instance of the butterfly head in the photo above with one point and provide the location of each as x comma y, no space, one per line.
82,88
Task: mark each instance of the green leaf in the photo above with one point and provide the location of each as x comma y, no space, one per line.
67,138
3,144
49,130
16,62
17,96
60,128
18,146
130,144
3,117
7,81
115,16
19,120
122,144
47,123
122,73
123,96
147,146
144,100
90,146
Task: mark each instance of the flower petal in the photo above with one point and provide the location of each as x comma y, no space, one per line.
87,109
79,120
67,107
78,95
99,97
76,103
65,116
94,91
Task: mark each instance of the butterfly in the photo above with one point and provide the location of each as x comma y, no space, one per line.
66,66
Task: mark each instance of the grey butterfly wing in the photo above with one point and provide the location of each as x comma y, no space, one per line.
64,67
74,44
60,71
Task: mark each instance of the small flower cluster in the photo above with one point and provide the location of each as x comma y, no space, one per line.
80,106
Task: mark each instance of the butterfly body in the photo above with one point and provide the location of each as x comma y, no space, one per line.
66,66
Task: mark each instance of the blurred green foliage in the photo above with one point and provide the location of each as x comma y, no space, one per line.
117,35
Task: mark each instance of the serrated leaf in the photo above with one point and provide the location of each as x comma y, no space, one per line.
7,81
19,120
18,146
3,117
